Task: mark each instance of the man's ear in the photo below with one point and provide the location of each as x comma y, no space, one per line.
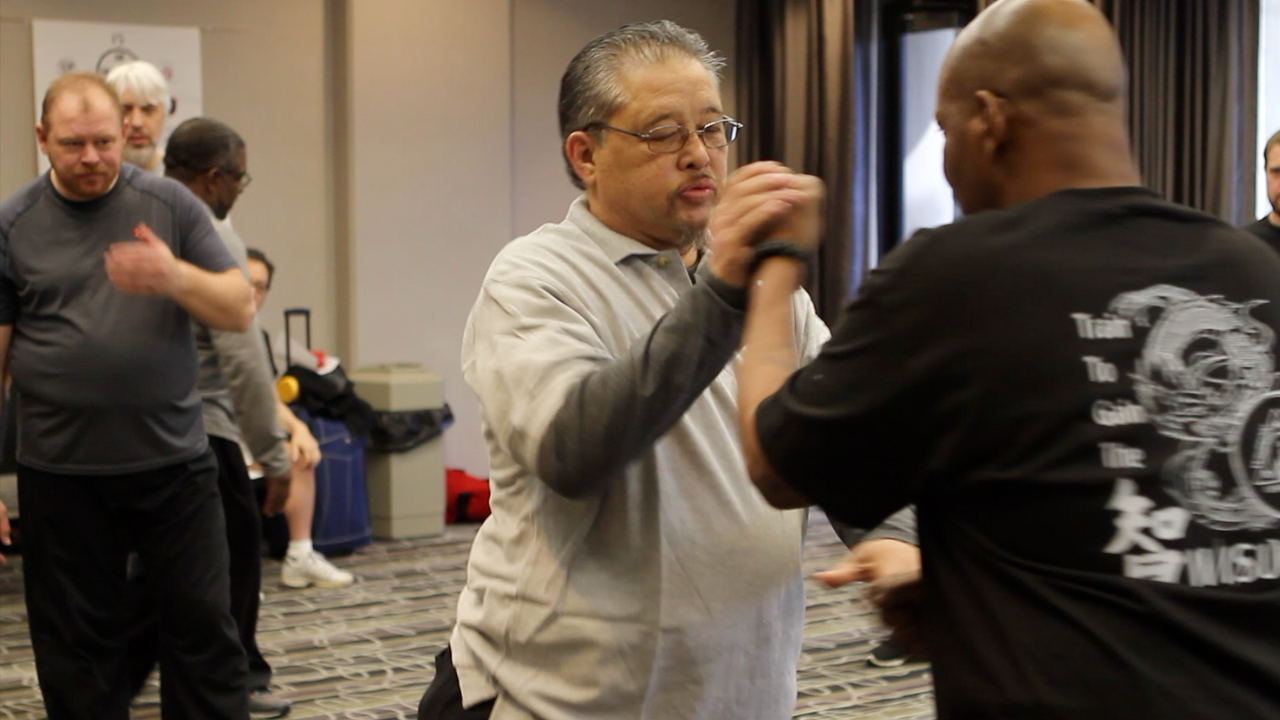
42,138
206,181
993,119
580,148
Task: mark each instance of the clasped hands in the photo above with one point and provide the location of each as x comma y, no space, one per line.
763,201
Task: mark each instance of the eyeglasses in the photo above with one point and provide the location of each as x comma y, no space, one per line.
242,179
672,138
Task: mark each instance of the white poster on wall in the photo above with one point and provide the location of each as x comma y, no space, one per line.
60,46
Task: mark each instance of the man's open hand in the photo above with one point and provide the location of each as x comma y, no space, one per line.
145,266
871,560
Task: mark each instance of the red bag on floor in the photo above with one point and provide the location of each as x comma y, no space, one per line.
467,497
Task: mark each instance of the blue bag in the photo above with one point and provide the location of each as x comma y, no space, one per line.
341,522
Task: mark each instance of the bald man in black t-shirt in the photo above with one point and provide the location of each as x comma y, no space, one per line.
1076,384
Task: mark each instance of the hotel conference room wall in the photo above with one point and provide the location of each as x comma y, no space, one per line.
263,65
444,175
384,211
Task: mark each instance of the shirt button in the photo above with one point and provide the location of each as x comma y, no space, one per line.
663,261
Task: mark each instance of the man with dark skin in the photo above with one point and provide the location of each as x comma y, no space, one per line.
1074,383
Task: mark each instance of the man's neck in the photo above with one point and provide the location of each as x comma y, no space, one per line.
690,255
1094,155
611,221
1274,217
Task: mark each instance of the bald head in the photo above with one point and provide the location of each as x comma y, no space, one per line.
1059,52
1034,92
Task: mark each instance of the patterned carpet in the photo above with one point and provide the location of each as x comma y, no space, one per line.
365,652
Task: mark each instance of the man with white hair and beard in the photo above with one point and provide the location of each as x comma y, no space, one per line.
144,97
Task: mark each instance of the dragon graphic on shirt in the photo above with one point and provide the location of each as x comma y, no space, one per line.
1206,377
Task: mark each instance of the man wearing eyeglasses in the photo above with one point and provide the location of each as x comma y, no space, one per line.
238,401
627,570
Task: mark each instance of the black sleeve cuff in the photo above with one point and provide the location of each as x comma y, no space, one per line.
734,297
898,526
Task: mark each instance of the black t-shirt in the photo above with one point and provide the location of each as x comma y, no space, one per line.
1080,395
1268,232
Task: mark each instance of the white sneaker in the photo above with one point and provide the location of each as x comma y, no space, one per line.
313,569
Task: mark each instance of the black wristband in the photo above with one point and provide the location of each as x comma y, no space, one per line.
779,248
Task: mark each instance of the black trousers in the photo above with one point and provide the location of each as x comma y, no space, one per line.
244,543
443,698
77,534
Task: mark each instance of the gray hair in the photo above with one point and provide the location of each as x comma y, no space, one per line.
144,80
589,91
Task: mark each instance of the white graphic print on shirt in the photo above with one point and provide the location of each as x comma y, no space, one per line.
1206,377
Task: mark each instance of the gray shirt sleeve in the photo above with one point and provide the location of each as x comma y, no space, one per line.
200,243
242,361
898,526
620,408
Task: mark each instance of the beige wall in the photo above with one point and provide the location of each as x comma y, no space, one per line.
263,74
396,146
430,160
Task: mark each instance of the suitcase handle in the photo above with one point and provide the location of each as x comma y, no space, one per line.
288,342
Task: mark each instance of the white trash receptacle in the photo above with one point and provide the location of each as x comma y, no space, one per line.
406,489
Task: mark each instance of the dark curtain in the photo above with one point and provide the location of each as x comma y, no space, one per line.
806,103
1192,98
811,93
1193,84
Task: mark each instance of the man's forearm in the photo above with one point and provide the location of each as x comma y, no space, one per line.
292,424
222,301
616,412
768,358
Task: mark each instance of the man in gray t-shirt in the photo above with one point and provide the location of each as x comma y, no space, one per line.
102,268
